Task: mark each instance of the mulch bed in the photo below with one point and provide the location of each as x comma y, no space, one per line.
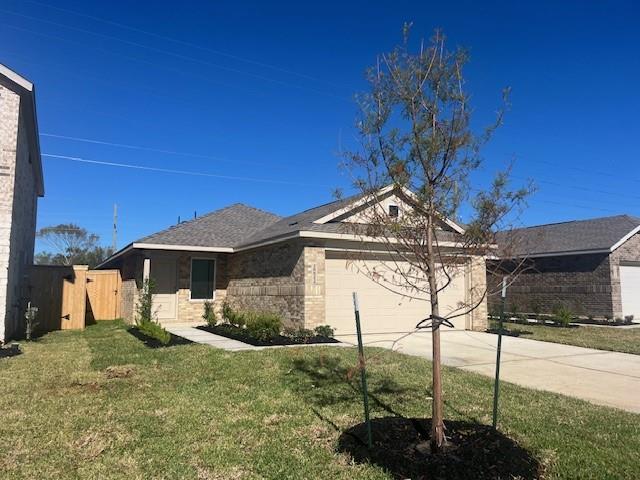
154,343
9,351
473,451
240,334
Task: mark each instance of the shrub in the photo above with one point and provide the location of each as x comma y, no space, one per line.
563,316
209,315
232,317
628,319
263,326
324,331
144,308
227,312
145,315
299,335
154,330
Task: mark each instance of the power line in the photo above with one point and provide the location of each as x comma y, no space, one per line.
173,54
181,172
150,149
189,44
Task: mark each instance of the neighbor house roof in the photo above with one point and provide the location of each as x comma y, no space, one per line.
26,90
579,236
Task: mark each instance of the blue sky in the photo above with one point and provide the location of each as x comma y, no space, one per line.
263,91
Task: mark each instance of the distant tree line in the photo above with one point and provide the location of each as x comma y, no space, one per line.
71,244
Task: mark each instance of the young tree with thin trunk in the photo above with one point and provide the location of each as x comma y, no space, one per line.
417,143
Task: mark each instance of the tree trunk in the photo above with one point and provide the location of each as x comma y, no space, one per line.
437,423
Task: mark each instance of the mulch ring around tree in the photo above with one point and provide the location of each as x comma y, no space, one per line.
473,451
154,343
240,334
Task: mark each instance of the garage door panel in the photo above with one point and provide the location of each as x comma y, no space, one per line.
385,306
630,290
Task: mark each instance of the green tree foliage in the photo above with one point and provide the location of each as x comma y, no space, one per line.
71,245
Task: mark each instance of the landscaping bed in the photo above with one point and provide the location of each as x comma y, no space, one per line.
241,334
152,342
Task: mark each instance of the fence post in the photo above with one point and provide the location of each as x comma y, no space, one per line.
363,372
496,386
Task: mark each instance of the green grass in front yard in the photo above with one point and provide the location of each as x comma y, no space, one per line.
614,339
99,404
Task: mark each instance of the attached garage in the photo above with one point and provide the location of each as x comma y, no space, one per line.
630,290
383,308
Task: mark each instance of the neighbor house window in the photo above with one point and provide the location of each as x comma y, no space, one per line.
393,211
202,278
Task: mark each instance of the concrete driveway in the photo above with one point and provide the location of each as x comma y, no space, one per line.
605,378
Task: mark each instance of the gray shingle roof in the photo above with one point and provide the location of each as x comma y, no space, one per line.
226,227
241,226
574,236
301,221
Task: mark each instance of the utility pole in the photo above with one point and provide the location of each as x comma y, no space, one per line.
114,240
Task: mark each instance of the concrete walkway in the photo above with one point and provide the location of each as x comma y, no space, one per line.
601,377
189,332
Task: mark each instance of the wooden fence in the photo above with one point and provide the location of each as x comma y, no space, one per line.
70,297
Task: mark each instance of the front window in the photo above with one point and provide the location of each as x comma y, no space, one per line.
202,278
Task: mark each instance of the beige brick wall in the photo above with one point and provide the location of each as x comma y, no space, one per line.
269,279
314,280
18,205
477,285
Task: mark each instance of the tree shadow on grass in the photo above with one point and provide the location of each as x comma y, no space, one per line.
326,381
473,451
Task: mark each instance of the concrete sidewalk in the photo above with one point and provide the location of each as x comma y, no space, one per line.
605,378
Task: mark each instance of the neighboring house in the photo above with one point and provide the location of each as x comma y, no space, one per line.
303,267
591,267
21,184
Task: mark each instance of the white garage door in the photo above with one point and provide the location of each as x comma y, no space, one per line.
381,310
630,286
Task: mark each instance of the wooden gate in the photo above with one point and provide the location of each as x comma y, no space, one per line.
103,295
69,297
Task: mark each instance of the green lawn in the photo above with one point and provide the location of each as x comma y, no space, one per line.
99,404
614,339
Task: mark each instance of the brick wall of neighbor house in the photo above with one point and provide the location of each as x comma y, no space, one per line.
580,282
629,251
18,204
270,279
192,310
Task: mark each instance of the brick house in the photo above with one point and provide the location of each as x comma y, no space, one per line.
303,267
21,183
591,267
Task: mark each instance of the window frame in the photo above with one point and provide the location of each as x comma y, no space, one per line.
215,271
397,210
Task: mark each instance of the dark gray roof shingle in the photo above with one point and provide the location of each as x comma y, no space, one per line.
574,236
241,226
226,227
